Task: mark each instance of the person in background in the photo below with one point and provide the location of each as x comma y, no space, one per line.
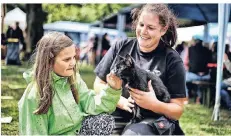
105,44
94,49
57,100
14,37
90,52
3,46
9,31
86,50
182,49
19,32
15,31
226,83
198,70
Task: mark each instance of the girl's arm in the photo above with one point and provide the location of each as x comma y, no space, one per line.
123,103
95,103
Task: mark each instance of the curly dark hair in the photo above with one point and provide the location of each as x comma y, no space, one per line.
166,18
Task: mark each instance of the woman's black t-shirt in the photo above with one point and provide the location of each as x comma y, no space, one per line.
163,61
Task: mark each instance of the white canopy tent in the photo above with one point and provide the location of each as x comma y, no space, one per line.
16,15
186,34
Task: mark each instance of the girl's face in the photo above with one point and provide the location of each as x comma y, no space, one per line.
149,31
65,62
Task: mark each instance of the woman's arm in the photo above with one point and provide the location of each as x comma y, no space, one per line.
148,100
173,110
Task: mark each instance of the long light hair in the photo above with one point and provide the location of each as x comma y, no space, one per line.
47,49
166,18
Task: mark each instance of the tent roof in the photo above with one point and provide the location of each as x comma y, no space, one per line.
187,15
67,26
16,15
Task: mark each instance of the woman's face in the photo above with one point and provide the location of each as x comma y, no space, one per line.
149,31
65,62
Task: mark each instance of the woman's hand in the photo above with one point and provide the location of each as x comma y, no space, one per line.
144,99
148,100
114,81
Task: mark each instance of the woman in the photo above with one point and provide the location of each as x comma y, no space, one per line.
57,100
155,27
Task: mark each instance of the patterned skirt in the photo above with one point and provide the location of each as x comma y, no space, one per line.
102,124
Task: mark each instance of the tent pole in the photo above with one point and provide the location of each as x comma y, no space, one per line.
206,33
121,20
223,17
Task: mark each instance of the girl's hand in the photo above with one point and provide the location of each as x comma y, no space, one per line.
114,81
127,104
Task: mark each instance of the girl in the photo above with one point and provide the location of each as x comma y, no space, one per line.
57,101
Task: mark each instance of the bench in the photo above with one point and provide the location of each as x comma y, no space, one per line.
204,86
120,123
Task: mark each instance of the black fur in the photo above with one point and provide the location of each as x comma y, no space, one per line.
138,78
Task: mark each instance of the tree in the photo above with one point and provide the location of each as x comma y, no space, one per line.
80,12
35,17
3,13
37,14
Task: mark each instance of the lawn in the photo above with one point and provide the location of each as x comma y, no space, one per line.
196,119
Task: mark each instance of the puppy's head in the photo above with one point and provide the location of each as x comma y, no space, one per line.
123,66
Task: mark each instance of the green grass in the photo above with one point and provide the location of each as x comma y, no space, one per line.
12,84
196,119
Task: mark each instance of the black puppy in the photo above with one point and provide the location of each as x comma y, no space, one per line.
138,78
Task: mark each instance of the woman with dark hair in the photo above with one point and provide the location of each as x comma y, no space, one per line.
156,34
57,100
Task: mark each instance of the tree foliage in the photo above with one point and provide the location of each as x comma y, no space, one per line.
80,12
